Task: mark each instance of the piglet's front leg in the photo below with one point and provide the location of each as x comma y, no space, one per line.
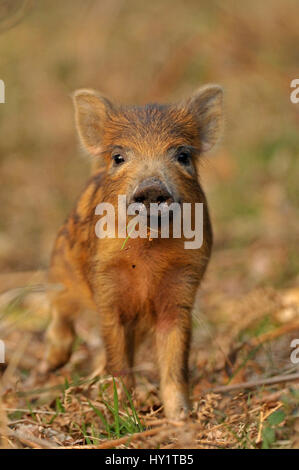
118,339
173,331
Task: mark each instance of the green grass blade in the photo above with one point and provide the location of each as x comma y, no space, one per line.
102,418
116,410
140,426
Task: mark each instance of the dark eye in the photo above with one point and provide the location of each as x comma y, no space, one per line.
118,159
184,158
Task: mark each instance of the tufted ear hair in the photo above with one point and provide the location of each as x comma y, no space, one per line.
90,113
206,105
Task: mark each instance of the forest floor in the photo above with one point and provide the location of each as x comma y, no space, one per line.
244,382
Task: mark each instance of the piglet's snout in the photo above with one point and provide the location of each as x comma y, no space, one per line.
152,190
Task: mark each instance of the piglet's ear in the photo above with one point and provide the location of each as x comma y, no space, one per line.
90,113
206,104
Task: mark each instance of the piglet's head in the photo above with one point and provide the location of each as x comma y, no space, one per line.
150,152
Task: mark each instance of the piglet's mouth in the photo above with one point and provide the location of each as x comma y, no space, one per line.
155,211
156,217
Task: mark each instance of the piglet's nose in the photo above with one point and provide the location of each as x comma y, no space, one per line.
152,190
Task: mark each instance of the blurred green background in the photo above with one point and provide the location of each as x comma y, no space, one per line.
137,51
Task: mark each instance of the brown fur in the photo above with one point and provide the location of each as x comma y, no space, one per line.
149,285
